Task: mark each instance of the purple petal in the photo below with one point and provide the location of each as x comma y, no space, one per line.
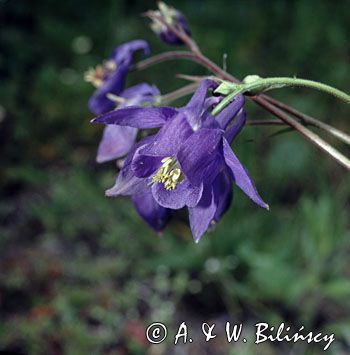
201,154
195,108
115,143
144,118
198,99
142,143
145,165
170,37
183,23
223,192
127,183
124,53
241,176
202,215
237,125
140,93
208,121
211,101
225,116
183,195
151,212
170,137
99,103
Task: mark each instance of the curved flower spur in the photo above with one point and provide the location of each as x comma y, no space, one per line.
189,162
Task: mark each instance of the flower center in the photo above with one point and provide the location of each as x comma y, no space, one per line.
169,174
97,76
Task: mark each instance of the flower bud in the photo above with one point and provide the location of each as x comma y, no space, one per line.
172,17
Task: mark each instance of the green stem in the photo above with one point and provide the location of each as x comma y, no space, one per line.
256,85
271,83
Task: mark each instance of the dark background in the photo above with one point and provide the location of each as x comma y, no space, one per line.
80,273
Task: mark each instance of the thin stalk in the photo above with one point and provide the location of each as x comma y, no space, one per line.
259,85
294,82
279,82
311,136
174,95
163,57
196,78
265,122
344,137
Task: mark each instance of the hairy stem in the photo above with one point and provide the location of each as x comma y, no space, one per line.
260,85
257,85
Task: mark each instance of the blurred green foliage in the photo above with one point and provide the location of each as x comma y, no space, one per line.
80,273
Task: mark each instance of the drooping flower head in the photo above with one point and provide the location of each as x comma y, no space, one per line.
117,141
109,77
172,17
189,162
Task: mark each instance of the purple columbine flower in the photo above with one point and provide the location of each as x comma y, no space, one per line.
109,77
117,141
189,162
172,17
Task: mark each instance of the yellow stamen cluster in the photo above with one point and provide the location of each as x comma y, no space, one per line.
98,75
169,174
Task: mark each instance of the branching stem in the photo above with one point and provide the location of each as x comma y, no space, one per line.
273,106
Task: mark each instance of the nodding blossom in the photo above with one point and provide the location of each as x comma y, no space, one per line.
172,17
187,163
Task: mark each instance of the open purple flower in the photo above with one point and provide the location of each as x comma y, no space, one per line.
117,141
189,162
172,17
109,77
